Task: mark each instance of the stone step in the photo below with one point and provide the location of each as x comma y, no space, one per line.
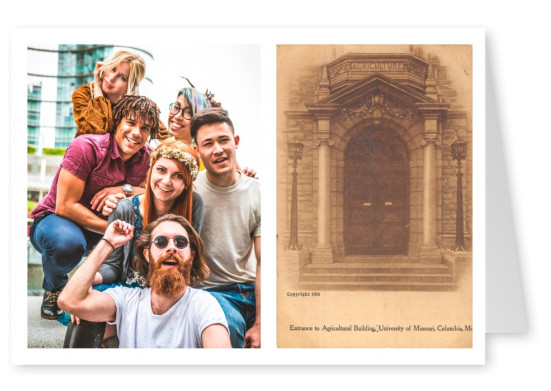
378,267
376,277
374,259
379,285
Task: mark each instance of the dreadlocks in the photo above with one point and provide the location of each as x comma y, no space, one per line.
139,107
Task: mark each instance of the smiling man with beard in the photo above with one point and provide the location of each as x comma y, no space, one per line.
167,313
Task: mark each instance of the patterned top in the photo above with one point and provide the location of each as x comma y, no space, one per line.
92,116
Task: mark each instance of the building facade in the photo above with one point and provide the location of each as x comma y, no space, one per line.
369,174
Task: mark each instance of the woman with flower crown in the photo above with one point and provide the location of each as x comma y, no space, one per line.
169,189
188,103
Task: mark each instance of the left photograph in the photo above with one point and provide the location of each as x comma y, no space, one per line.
143,195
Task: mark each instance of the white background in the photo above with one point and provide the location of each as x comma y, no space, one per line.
517,57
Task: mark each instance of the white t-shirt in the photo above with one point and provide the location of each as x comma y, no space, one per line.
180,327
232,220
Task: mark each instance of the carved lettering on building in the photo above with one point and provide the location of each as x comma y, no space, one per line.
378,66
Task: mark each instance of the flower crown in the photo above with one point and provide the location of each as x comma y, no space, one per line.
173,153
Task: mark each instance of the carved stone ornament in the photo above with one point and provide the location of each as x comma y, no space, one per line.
375,107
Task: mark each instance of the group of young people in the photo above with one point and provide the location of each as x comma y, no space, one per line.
169,223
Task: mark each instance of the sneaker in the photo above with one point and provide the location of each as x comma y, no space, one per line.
49,308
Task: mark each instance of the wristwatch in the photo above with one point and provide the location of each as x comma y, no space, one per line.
127,189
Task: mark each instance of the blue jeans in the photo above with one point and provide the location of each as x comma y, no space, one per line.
62,244
239,305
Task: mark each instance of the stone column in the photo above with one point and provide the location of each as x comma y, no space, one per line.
323,112
430,253
429,194
323,252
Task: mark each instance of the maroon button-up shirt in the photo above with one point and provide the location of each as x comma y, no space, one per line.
96,160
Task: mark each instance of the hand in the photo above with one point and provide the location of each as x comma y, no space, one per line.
162,134
249,172
111,203
98,201
75,319
98,78
118,233
252,337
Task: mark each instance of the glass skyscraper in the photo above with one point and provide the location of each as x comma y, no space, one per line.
34,97
76,64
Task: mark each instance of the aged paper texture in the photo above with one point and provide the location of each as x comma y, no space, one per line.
374,196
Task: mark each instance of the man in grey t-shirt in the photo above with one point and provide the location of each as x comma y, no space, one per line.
231,226
168,313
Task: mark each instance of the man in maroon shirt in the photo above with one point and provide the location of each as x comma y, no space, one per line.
68,222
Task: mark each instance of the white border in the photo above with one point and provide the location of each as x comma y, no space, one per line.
268,354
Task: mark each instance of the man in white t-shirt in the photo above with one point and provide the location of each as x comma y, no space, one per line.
168,313
231,226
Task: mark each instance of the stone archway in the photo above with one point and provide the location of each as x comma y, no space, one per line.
376,207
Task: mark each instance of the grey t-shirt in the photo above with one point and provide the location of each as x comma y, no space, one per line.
180,327
231,221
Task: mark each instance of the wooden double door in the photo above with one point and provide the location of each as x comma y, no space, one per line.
376,194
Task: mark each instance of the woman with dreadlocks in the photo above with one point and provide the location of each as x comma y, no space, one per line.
169,189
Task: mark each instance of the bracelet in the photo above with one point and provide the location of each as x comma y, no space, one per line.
111,244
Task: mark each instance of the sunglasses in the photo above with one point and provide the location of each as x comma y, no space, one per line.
180,242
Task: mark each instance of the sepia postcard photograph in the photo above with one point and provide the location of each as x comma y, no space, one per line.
375,196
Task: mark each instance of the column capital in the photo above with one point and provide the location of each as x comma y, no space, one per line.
432,113
430,140
321,140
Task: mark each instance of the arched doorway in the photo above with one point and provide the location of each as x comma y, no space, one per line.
376,194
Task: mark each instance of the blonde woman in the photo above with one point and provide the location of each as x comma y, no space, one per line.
119,75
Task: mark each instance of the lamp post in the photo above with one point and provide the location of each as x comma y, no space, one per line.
295,148
459,152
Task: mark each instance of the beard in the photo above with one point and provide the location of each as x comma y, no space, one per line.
169,282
